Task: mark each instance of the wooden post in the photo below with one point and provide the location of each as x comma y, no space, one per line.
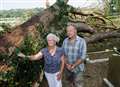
114,70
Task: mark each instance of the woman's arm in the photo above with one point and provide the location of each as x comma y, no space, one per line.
37,56
59,75
62,64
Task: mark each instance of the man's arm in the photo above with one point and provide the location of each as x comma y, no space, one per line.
67,65
82,55
78,61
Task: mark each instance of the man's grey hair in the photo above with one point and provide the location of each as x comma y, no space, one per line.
72,24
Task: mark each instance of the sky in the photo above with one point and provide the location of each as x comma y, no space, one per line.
20,4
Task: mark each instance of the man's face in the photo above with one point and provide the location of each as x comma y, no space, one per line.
71,31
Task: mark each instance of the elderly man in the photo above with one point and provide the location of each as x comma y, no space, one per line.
75,53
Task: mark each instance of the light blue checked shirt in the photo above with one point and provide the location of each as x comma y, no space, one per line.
75,50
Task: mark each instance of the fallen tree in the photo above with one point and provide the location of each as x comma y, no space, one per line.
47,18
56,17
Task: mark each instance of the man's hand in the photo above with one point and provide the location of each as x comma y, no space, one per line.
21,55
68,66
73,66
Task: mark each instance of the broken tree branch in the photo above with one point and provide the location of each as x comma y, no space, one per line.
102,36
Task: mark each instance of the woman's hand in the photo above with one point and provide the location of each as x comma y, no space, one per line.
59,76
21,55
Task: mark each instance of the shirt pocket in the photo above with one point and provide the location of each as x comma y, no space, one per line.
47,60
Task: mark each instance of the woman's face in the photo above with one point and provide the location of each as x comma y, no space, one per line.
51,41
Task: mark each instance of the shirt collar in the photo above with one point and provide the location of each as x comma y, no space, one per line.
76,39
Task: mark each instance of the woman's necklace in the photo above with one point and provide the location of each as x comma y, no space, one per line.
52,51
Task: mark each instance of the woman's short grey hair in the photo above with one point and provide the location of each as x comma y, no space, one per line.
56,38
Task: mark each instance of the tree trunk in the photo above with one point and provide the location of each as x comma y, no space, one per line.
44,19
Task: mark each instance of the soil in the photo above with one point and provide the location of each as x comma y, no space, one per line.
96,72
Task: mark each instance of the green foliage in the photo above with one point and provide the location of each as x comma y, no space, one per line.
7,76
25,71
5,28
28,71
114,7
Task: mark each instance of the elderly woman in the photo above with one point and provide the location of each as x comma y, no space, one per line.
54,61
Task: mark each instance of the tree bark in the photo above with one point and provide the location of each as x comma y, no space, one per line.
44,19
101,36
